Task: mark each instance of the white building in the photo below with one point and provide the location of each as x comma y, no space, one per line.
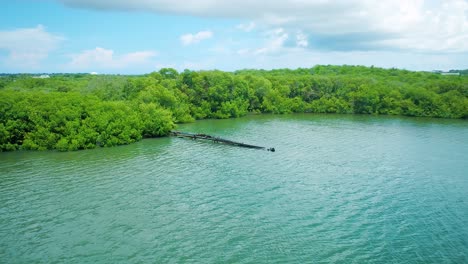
450,73
43,76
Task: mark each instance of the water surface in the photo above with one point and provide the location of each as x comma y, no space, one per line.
340,189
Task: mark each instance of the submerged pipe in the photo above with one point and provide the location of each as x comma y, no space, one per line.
216,140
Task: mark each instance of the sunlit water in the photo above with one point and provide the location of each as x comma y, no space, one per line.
338,189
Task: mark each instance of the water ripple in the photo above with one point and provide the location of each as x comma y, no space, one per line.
339,189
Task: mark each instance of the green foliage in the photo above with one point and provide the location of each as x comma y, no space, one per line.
155,121
72,121
81,111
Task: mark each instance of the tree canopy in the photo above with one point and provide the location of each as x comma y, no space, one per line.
81,111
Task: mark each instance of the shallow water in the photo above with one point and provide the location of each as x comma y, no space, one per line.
340,189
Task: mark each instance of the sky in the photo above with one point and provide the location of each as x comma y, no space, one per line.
142,36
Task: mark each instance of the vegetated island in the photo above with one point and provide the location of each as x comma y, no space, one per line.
83,111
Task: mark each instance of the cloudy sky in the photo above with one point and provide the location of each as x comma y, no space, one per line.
140,36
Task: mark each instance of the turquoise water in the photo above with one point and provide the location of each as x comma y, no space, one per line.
338,189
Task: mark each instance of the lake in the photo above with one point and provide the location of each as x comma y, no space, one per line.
338,189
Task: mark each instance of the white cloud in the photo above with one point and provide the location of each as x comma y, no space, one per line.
415,26
243,51
159,65
246,27
188,39
275,41
301,40
202,64
421,25
27,47
294,57
100,58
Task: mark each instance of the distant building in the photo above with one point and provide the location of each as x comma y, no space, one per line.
453,73
43,76
93,73
450,73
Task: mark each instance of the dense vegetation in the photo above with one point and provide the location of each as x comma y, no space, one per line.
81,111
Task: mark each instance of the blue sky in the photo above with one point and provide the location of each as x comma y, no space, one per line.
141,36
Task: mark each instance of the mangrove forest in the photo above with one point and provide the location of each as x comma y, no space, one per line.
83,111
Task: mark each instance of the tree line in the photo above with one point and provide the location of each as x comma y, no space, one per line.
82,111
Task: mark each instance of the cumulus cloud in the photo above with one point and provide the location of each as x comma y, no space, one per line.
243,51
296,57
420,25
100,58
246,27
27,47
276,40
301,40
188,39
